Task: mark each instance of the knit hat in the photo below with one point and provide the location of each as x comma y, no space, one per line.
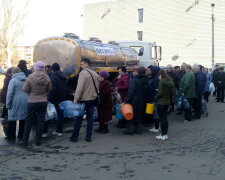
55,67
39,66
104,74
15,70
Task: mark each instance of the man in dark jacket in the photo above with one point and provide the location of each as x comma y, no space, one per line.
179,75
220,83
200,81
4,90
177,72
187,89
170,72
58,94
214,78
136,96
23,67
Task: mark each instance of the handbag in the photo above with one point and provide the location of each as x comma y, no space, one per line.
50,112
98,99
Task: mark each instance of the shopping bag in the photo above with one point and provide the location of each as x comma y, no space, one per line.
71,109
185,103
179,102
118,113
211,87
51,112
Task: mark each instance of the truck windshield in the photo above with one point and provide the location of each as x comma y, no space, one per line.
139,49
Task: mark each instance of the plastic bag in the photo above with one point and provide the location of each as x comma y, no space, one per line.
185,103
118,113
71,109
118,97
211,87
51,112
179,102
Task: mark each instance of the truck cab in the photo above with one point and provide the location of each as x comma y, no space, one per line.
149,53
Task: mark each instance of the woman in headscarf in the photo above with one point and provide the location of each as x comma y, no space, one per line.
105,108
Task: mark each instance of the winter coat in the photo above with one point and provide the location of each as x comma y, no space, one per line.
37,85
200,82
138,92
187,85
122,84
85,90
215,74
221,79
105,108
59,87
208,81
16,101
178,78
8,77
166,90
153,83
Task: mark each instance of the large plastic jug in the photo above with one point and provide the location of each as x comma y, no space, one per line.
127,111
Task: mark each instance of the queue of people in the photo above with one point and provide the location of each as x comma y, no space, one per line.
26,94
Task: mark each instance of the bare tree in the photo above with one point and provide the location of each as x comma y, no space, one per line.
12,15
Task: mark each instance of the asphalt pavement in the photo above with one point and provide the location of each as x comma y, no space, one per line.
195,151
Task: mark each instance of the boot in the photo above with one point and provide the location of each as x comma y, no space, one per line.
100,128
105,129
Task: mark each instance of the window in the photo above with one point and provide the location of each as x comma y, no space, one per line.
140,35
139,49
140,15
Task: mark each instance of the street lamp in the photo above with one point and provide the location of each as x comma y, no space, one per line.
213,19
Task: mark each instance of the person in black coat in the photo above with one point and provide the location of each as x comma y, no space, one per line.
23,67
200,82
8,77
220,83
215,77
56,96
170,72
179,75
136,96
153,85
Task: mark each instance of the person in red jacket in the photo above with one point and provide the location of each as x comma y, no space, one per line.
105,108
121,84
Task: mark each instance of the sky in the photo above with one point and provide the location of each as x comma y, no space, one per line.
53,18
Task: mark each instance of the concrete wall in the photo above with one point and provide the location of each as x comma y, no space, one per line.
165,22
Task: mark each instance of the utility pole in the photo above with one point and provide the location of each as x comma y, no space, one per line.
213,19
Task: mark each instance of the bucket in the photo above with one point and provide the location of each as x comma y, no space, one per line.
149,108
127,111
118,113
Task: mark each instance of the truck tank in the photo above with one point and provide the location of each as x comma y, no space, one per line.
68,52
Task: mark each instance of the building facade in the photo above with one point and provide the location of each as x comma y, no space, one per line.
185,36
22,52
